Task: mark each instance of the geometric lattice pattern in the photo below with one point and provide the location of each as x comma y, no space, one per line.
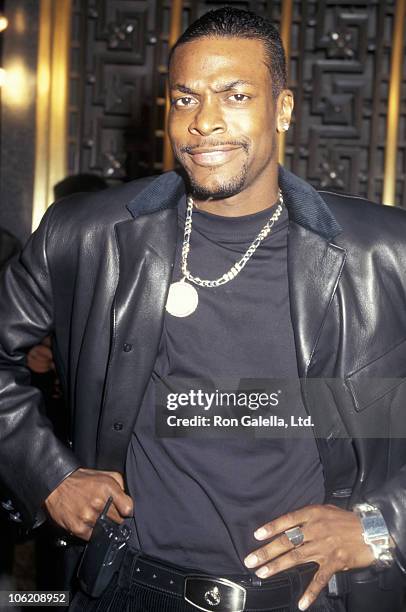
340,70
112,64
339,73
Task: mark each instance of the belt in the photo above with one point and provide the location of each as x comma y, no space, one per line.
230,593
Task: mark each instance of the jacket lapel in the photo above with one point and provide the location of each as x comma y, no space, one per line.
314,269
315,263
146,249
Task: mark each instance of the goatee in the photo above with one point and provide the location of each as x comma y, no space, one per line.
223,189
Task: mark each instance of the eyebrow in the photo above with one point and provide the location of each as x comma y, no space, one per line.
220,89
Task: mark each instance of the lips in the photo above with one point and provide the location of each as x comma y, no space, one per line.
215,156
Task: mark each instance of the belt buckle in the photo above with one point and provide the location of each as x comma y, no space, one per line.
217,594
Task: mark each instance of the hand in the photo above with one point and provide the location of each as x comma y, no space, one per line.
40,359
332,538
78,501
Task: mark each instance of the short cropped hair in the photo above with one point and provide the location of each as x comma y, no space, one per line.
231,22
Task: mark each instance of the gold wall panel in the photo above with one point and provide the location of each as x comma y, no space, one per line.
51,102
395,85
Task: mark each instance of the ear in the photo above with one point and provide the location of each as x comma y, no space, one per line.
284,108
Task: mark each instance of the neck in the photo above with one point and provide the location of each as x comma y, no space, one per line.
257,196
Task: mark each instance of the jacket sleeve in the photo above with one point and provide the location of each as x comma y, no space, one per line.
32,459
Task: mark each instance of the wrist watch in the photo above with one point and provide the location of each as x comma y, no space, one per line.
375,534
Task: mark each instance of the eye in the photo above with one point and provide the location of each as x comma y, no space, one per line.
239,97
185,101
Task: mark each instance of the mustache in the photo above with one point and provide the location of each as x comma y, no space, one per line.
213,144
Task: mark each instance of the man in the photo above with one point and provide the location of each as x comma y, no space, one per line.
303,286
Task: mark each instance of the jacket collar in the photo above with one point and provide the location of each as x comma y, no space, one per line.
305,205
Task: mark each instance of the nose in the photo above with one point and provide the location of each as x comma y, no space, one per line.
207,120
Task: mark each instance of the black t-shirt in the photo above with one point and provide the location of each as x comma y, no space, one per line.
198,501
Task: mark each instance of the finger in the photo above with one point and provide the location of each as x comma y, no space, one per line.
34,355
320,580
123,504
83,532
297,556
87,517
287,521
90,516
38,368
44,362
122,501
43,351
277,547
118,478
114,515
99,503
82,526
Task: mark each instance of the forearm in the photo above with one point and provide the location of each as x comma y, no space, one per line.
32,460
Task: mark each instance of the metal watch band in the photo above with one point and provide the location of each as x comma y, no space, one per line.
375,533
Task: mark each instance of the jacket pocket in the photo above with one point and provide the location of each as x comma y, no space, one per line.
375,379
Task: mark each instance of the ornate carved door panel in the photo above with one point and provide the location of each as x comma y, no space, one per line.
339,72
111,80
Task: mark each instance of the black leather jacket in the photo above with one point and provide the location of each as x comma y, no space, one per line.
96,274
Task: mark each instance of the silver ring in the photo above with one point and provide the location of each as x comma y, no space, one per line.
295,536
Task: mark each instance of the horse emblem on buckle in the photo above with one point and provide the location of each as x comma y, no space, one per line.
212,597
209,593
